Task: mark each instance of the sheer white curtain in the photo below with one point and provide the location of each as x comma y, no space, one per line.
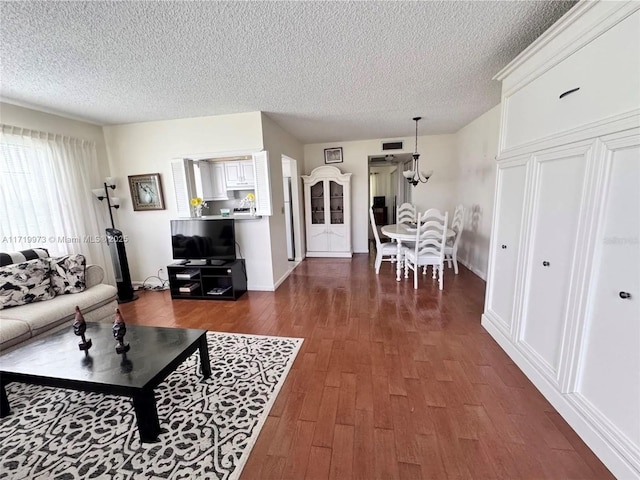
45,195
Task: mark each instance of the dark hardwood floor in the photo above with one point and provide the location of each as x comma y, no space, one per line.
390,382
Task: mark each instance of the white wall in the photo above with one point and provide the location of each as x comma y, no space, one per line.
437,152
476,149
277,143
149,147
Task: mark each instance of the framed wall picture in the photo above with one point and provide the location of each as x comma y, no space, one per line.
333,155
146,192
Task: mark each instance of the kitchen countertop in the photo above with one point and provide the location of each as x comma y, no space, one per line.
237,216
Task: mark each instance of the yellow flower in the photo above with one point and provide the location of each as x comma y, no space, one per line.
251,197
195,202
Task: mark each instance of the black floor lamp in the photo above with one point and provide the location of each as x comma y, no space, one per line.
116,240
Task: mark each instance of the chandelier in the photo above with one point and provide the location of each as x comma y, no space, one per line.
415,176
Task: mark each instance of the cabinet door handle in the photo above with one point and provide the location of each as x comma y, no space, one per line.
545,264
569,92
625,295
504,247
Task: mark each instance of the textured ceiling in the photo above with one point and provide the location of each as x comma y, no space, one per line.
325,71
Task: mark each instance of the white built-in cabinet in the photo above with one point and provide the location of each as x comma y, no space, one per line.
563,288
327,199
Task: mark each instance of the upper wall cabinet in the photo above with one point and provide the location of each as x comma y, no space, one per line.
240,175
563,290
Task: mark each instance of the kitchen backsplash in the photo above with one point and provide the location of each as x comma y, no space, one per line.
235,198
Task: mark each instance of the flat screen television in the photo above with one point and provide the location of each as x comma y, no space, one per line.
198,239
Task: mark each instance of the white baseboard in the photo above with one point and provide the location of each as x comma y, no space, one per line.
479,273
149,283
260,288
329,254
285,276
567,406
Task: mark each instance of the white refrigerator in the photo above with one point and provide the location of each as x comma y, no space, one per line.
288,217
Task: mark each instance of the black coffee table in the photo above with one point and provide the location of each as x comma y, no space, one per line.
155,352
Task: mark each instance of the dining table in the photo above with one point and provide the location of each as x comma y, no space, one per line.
404,232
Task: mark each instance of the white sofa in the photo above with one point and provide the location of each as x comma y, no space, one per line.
97,302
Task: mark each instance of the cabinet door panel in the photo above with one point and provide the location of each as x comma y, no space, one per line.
607,83
233,172
338,238
505,246
213,186
217,180
248,175
609,377
317,238
317,203
556,211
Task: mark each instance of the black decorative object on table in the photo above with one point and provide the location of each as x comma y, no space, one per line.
119,331
79,327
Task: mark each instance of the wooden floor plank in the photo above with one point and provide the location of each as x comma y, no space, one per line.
342,452
298,460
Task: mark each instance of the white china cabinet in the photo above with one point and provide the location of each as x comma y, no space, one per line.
327,202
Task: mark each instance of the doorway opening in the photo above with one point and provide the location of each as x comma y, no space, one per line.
387,187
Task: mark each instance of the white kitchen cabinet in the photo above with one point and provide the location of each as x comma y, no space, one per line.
565,306
328,212
239,175
212,180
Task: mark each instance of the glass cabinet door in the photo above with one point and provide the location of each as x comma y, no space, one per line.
317,203
336,203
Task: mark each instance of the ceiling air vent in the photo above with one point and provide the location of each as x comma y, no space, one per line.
392,145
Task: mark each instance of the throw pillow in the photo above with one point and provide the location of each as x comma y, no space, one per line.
67,274
25,282
22,256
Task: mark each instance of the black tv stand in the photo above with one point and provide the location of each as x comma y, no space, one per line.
199,280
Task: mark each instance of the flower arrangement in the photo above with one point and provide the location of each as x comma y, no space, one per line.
198,204
249,201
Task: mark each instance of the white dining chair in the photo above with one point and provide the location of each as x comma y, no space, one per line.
451,248
431,237
406,213
388,250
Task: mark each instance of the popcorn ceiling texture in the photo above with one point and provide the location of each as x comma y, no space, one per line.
324,71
